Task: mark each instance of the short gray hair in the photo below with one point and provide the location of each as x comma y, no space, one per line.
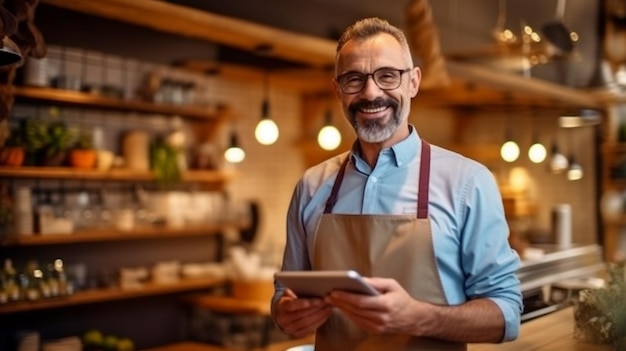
369,27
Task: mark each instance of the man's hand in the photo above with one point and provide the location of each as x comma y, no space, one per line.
300,317
394,311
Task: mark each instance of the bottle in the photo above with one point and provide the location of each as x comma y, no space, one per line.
66,285
32,282
51,279
12,287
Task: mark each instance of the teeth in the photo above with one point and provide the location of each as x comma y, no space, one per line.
373,110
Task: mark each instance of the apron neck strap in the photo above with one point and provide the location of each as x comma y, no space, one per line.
332,199
424,179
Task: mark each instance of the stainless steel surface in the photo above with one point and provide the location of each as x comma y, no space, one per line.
539,277
559,264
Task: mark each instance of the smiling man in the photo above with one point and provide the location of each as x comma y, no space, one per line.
426,225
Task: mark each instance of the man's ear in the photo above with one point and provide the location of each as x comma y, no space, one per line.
416,78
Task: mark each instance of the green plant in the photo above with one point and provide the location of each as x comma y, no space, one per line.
164,162
600,313
60,138
34,134
84,141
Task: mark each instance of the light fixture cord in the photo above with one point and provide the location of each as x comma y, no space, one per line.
265,107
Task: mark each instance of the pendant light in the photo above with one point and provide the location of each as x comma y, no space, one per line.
234,153
558,161
509,151
329,137
574,170
537,152
266,131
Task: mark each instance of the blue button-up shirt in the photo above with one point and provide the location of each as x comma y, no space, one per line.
469,229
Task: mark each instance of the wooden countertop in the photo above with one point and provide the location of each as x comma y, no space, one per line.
553,332
550,332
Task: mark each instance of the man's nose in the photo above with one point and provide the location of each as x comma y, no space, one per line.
370,88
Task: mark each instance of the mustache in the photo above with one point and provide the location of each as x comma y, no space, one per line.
371,104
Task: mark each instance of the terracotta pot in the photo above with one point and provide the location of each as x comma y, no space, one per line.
12,156
84,159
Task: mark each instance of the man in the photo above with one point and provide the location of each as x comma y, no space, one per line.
425,224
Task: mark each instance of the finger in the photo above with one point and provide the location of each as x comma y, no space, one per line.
314,322
308,323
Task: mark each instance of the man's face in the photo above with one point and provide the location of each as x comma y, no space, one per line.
374,113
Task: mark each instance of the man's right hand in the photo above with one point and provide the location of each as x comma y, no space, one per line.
299,317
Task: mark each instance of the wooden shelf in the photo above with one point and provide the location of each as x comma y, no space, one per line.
616,222
229,304
111,294
116,235
114,174
74,98
608,148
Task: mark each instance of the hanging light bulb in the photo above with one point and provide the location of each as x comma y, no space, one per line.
266,131
558,161
234,153
537,152
509,151
575,170
329,136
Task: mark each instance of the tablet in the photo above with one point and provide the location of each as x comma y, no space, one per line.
321,283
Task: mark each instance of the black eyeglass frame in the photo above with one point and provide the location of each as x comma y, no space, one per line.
373,75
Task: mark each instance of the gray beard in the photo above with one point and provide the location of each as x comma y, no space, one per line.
374,131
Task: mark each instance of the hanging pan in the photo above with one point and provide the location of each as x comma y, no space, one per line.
557,34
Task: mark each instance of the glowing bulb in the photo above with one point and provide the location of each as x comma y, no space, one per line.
234,154
329,137
509,151
537,153
575,171
266,132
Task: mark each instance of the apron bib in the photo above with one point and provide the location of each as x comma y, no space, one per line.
390,246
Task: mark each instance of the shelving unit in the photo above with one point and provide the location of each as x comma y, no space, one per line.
613,153
112,294
204,176
204,120
74,98
116,235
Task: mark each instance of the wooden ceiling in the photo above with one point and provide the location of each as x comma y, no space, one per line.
471,84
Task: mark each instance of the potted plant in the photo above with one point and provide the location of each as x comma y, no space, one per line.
83,155
164,162
12,153
34,135
60,141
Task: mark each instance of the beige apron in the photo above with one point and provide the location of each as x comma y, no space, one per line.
391,246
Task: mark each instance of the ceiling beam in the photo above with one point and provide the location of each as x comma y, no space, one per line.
512,83
479,85
186,21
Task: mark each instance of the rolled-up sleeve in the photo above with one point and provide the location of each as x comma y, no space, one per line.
488,261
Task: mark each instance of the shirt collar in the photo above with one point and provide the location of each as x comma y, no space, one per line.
403,152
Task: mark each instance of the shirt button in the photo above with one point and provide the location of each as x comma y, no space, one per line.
373,179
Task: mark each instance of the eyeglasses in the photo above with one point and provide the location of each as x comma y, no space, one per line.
385,78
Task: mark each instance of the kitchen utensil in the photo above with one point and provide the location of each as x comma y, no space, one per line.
10,53
557,33
501,33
